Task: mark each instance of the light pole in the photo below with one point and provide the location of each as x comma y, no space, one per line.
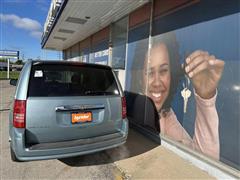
8,68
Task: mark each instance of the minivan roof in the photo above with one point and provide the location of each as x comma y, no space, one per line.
38,62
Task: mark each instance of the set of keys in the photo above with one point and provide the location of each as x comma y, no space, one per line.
186,93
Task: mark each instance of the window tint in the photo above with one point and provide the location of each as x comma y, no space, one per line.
69,80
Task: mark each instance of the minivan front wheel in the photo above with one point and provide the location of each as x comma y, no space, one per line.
13,156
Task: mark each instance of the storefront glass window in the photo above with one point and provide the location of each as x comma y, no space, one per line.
119,40
186,86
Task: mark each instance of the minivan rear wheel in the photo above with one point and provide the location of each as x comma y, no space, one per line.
13,156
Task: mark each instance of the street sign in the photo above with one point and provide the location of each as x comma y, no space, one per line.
9,54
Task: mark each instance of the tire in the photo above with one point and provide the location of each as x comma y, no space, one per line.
13,156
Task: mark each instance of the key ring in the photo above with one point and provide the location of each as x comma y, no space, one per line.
186,83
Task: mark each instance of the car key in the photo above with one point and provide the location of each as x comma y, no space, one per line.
186,93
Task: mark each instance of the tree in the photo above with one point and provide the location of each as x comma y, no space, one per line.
19,61
3,60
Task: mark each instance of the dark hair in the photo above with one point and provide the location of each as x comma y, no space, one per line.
168,39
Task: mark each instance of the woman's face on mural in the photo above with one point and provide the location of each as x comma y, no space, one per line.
157,75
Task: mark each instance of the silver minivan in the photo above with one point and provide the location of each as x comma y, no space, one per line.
63,109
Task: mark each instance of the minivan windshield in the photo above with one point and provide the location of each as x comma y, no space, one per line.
71,80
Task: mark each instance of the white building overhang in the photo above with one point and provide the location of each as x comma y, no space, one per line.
75,20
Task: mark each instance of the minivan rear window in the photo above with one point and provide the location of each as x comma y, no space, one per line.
71,80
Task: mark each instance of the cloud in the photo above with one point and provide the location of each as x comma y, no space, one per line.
33,26
22,23
36,34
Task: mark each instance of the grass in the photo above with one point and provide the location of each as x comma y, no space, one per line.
12,74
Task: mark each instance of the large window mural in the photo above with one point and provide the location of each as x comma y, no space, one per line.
185,85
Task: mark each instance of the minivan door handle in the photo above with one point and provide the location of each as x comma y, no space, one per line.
79,107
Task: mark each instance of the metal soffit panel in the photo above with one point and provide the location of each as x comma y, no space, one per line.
79,26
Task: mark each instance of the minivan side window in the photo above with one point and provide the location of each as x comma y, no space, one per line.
71,80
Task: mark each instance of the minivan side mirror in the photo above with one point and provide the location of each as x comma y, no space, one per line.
13,82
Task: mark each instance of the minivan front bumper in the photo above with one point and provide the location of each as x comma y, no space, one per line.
67,148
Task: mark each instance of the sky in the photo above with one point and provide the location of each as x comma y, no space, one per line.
21,27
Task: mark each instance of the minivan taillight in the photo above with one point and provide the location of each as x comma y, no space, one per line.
124,108
19,113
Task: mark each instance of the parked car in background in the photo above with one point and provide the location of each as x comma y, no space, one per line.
63,109
3,66
12,67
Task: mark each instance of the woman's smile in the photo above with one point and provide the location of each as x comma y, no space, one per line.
157,75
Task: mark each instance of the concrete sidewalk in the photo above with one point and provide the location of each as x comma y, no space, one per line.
140,158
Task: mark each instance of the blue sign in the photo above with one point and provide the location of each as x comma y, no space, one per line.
9,54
